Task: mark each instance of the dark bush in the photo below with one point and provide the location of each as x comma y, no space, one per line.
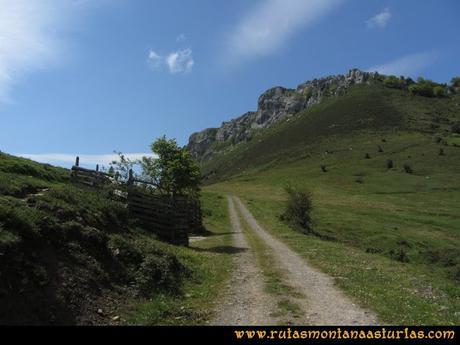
21,221
159,272
439,91
374,250
456,273
446,258
421,90
427,88
455,128
399,255
125,250
390,164
408,169
404,243
298,209
394,82
323,168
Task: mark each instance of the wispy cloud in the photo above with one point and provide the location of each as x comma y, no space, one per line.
181,38
155,60
380,20
267,26
406,65
180,61
31,37
67,160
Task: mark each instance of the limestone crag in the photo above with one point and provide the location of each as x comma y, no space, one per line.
274,105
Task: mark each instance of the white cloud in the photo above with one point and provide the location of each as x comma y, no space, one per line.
155,60
67,160
264,29
181,38
31,37
380,20
180,61
406,65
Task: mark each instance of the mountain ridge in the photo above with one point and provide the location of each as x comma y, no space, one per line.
274,105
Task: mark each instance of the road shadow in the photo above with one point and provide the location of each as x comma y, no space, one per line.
209,233
221,250
214,234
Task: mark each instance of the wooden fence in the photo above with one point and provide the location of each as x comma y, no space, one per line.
93,178
172,219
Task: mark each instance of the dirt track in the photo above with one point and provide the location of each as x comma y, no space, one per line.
248,303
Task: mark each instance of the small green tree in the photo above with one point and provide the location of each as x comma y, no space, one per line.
421,89
427,88
439,91
455,82
390,164
122,166
298,209
409,81
394,82
173,171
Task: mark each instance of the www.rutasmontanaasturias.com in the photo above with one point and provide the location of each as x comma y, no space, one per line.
339,333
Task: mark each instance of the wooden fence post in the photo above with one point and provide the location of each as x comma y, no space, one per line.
130,177
77,161
97,167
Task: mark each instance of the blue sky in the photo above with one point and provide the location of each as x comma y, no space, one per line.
91,76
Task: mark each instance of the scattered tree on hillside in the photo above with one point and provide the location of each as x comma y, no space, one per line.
427,88
390,164
455,82
439,91
395,82
298,209
173,171
408,169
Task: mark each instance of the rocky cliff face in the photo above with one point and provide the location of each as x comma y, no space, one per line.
274,105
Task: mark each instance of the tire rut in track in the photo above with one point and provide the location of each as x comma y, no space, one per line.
245,301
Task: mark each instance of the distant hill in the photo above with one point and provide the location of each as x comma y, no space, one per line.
335,105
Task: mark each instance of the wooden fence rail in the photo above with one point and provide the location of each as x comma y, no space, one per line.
172,219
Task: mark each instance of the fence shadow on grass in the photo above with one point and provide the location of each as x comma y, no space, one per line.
220,250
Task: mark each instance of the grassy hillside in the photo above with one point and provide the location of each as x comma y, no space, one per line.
70,255
389,234
365,108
